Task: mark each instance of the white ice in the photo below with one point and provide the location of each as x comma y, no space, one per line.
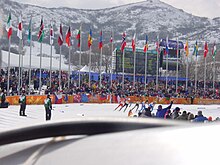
10,119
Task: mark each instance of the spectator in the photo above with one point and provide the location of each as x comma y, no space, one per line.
183,116
200,117
161,112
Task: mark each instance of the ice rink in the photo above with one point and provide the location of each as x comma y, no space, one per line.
10,119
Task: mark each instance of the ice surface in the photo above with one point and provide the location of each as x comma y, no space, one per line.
10,119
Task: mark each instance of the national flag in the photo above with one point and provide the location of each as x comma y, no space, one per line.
41,31
167,47
51,34
146,45
90,38
206,49
19,32
214,50
123,43
133,43
30,30
60,38
100,40
78,37
187,48
58,98
196,49
8,26
111,38
68,37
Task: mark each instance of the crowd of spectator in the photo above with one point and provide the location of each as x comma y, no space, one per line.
106,88
167,114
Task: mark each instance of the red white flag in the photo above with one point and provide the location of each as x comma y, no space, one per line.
19,32
68,37
133,44
123,43
206,49
51,34
60,38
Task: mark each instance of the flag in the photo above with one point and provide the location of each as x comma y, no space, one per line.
187,48
146,45
41,31
123,43
167,47
111,38
19,32
8,26
214,51
78,37
58,98
133,42
206,49
60,38
68,37
51,34
90,38
29,30
196,49
100,40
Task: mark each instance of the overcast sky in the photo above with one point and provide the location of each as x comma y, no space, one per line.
206,8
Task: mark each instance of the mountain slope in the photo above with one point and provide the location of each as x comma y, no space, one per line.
150,17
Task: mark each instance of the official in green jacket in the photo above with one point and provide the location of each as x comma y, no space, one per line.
48,107
22,102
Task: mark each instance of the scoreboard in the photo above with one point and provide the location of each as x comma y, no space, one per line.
140,61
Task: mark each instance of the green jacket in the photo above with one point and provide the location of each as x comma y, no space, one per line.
22,99
48,103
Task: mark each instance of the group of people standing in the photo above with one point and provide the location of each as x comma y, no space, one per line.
47,105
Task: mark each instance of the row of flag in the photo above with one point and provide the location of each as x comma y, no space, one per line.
68,35
90,40
196,49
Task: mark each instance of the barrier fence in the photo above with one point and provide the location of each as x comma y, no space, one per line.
84,98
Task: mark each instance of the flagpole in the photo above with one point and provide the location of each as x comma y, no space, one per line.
90,66
51,52
40,83
69,68
60,69
9,56
157,63
22,59
100,76
177,65
166,71
187,72
123,69
196,75
167,63
214,75
145,73
205,76
134,66
80,54
19,68
30,60
112,47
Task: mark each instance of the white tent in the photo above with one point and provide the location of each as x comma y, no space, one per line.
85,69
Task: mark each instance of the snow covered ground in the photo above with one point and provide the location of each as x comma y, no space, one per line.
10,119
35,59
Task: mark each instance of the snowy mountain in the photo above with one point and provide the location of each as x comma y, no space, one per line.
150,17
